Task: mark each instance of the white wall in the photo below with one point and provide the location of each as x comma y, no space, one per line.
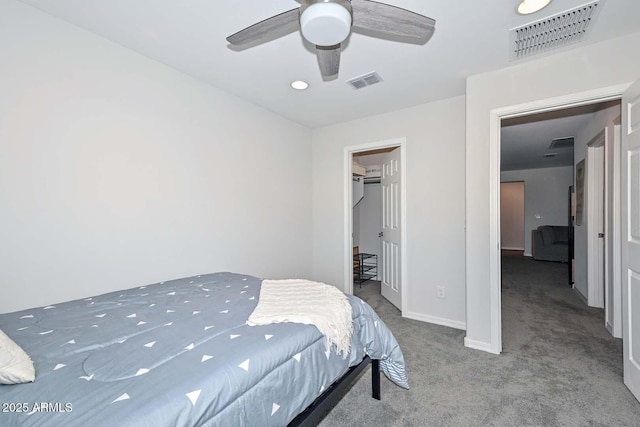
118,171
601,120
546,194
435,202
582,69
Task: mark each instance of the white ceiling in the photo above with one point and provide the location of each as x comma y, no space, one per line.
471,37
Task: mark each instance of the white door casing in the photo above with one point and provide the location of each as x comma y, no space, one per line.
495,117
630,251
391,228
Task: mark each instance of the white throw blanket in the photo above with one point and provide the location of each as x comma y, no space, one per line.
311,303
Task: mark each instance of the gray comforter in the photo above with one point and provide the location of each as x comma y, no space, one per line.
178,353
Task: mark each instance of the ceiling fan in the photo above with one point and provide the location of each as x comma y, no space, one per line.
328,23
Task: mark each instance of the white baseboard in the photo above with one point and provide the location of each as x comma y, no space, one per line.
435,320
582,297
613,331
507,248
527,254
609,327
479,345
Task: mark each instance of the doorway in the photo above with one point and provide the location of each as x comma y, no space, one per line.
391,243
523,113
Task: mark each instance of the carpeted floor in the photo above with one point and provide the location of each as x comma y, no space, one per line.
559,367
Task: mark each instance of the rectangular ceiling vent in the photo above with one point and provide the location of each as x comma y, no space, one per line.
560,30
365,80
561,143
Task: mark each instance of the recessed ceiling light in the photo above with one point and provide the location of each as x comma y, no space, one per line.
299,85
531,6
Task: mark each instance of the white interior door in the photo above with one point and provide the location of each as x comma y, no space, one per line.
391,287
630,206
595,224
614,314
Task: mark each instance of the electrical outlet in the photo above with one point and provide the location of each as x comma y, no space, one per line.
441,292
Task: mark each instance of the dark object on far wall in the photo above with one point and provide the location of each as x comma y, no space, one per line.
550,243
579,191
571,219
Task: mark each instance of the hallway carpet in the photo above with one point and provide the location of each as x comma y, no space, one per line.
559,366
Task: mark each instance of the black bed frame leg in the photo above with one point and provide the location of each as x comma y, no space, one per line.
314,413
375,378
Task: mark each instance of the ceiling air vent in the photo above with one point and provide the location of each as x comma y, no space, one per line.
561,143
365,80
553,32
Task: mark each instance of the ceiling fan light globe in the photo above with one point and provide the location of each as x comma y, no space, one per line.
325,24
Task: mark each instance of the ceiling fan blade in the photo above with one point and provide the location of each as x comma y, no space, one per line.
387,19
329,60
270,28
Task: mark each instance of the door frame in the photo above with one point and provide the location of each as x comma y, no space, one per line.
495,117
348,211
597,211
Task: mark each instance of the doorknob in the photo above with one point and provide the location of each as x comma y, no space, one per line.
380,234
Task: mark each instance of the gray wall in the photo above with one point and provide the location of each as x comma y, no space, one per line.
546,194
435,203
117,171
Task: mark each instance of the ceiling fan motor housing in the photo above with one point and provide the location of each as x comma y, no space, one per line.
326,23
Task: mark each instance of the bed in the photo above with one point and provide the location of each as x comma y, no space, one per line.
180,353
